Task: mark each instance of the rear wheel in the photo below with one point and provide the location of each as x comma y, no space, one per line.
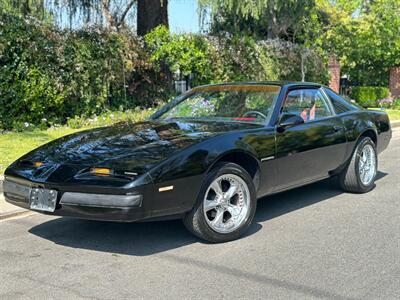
225,206
359,175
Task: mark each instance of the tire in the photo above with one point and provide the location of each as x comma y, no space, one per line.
233,215
350,178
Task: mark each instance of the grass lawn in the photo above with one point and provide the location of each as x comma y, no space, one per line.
394,114
13,145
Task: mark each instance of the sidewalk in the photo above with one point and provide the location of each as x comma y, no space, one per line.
8,210
395,124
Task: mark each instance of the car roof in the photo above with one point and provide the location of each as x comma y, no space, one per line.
277,83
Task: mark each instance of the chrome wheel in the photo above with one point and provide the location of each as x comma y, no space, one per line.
367,164
226,203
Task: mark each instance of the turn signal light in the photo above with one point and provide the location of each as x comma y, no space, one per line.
101,171
38,164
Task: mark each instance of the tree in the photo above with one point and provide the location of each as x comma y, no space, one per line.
25,7
364,35
116,19
264,19
113,14
376,47
150,14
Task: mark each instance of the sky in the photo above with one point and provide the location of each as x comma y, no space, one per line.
183,16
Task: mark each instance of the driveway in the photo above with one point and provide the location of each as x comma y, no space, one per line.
311,242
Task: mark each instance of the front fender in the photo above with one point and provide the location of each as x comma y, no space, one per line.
198,159
187,169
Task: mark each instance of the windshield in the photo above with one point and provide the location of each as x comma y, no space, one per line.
243,103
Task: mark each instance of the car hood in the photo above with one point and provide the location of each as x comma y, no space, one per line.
134,147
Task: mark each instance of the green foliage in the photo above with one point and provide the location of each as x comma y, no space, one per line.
368,96
261,19
364,35
187,54
233,58
110,117
246,59
396,103
239,58
51,76
34,8
48,75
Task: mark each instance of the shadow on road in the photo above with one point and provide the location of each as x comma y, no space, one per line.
141,239
286,202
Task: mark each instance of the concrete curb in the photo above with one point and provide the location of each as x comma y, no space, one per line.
15,213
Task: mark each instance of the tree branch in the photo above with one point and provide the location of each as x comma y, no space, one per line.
123,16
106,10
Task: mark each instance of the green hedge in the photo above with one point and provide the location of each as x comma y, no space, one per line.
368,96
48,75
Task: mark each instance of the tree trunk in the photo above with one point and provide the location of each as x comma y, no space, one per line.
150,14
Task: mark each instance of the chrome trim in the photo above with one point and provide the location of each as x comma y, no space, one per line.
267,158
166,188
131,173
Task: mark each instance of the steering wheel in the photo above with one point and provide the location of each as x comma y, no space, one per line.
254,112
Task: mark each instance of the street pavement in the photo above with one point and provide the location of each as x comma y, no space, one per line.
314,242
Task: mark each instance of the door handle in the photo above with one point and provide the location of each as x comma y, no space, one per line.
337,128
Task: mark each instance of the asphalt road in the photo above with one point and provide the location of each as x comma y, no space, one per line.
312,242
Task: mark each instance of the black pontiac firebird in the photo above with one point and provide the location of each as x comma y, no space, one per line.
205,157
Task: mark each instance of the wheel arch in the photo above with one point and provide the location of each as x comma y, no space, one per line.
356,137
369,132
244,159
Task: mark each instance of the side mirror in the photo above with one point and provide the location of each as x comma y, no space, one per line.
289,120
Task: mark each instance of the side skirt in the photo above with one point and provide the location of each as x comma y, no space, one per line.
296,186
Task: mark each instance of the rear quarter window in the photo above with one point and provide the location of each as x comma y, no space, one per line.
339,104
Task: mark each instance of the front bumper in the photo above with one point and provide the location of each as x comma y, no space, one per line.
106,203
96,206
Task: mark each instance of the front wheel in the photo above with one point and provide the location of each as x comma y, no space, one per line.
359,175
225,206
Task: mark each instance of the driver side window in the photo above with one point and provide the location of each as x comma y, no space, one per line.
309,104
